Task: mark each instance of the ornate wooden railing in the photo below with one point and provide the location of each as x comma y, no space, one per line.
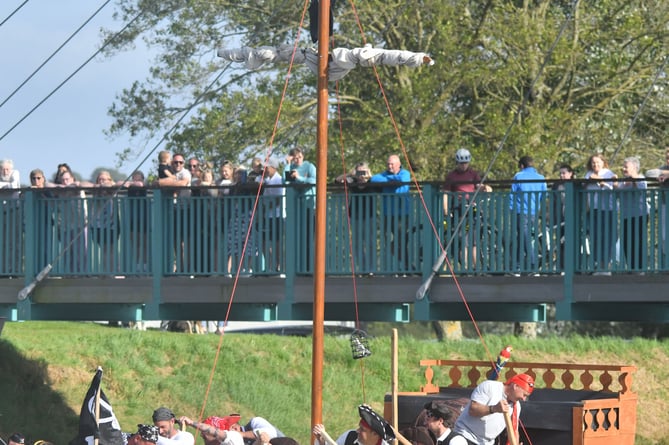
468,374
599,421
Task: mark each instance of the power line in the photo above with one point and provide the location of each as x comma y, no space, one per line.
28,289
54,53
71,75
13,12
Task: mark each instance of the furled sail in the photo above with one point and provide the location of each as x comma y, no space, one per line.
342,60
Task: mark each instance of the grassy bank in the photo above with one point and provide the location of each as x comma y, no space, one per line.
46,367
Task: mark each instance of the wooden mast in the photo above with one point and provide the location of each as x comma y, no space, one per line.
321,190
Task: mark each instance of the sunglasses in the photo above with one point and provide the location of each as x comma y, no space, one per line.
177,162
193,166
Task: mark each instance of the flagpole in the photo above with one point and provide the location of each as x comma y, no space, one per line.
96,439
321,203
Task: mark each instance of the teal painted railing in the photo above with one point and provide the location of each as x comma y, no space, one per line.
93,234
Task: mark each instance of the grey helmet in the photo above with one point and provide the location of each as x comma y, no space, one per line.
463,155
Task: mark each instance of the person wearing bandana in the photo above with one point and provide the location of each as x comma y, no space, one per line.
217,430
482,420
372,430
145,435
165,420
17,439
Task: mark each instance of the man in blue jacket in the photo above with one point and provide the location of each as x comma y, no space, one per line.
396,212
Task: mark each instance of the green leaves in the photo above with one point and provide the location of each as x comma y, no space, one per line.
586,72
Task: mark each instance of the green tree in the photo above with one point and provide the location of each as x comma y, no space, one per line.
594,64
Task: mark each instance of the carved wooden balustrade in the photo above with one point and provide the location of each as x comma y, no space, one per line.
598,420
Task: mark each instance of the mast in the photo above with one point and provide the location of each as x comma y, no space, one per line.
321,190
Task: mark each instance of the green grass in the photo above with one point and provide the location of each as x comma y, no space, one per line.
46,367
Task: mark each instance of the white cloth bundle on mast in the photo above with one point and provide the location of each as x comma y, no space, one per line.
342,60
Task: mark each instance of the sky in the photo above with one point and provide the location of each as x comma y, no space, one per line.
69,126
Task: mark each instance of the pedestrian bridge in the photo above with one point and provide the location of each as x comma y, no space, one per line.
155,255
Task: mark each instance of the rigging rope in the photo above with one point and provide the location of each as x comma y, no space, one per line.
54,53
268,154
523,104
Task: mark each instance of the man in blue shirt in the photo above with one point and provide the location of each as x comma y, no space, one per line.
396,211
527,196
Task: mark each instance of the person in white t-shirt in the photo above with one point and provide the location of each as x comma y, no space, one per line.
165,420
482,420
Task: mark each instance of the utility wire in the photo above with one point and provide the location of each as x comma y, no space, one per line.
54,53
71,75
28,289
13,12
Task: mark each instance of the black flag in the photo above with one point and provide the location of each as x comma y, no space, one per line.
108,431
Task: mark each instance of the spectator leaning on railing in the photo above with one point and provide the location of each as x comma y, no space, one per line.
527,196
10,259
633,215
395,209
601,222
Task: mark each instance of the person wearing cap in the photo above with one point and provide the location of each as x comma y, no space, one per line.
165,420
372,430
460,185
482,420
17,439
145,435
216,430
439,421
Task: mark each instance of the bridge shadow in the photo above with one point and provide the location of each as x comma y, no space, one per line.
28,404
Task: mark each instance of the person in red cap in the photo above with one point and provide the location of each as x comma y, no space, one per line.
482,420
216,430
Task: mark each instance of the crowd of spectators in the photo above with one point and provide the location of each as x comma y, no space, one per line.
91,221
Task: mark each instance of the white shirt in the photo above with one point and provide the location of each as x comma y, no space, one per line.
11,182
180,438
181,175
483,430
233,438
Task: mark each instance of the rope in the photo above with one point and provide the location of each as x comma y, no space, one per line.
253,214
497,152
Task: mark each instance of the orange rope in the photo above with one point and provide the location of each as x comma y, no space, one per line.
420,192
253,214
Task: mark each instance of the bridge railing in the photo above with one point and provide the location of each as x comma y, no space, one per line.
86,233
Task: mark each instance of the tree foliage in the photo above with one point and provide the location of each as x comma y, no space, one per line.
558,80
